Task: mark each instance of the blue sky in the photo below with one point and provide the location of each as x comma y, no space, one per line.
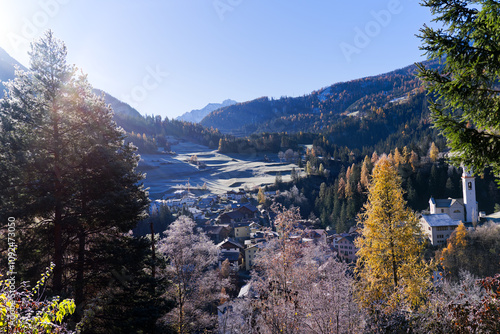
167,57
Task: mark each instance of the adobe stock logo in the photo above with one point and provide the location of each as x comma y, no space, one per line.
372,29
151,81
34,24
224,6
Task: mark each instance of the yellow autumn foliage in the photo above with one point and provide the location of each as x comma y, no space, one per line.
390,268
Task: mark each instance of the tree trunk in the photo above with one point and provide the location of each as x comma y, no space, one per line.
80,272
58,251
58,256
153,269
394,265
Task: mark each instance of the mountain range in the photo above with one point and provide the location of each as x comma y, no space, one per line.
195,116
337,111
320,109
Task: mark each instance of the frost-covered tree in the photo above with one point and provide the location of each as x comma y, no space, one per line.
191,268
300,287
328,298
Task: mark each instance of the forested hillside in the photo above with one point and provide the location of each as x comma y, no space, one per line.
318,111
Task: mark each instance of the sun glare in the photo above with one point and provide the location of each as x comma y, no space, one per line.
20,23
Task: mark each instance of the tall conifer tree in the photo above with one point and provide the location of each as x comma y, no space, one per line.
390,266
466,107
71,179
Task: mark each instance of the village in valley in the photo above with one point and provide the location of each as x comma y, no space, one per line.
240,221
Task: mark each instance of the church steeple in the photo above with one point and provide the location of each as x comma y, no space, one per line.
469,191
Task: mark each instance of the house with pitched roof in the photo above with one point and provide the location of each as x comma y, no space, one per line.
453,207
231,217
232,251
250,254
346,248
248,211
241,231
438,227
217,233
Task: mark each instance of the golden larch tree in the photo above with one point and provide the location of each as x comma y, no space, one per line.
454,256
398,159
433,152
390,268
365,173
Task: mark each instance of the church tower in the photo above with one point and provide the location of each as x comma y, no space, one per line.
470,203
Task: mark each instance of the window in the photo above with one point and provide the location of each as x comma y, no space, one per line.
442,210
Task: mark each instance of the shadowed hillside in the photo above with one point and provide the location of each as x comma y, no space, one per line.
316,111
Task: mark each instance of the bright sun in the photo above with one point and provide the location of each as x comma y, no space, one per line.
19,22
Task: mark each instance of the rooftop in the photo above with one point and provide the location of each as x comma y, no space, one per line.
441,219
231,242
446,202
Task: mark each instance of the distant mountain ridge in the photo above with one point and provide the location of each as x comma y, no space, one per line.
7,69
119,107
195,116
318,110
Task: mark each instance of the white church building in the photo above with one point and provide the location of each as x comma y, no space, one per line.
463,209
446,214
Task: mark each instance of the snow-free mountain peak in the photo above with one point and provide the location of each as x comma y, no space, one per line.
195,116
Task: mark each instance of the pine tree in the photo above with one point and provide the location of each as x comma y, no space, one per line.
390,266
294,175
466,111
450,188
278,180
342,221
73,180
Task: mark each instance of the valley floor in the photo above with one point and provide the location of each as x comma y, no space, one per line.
222,172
